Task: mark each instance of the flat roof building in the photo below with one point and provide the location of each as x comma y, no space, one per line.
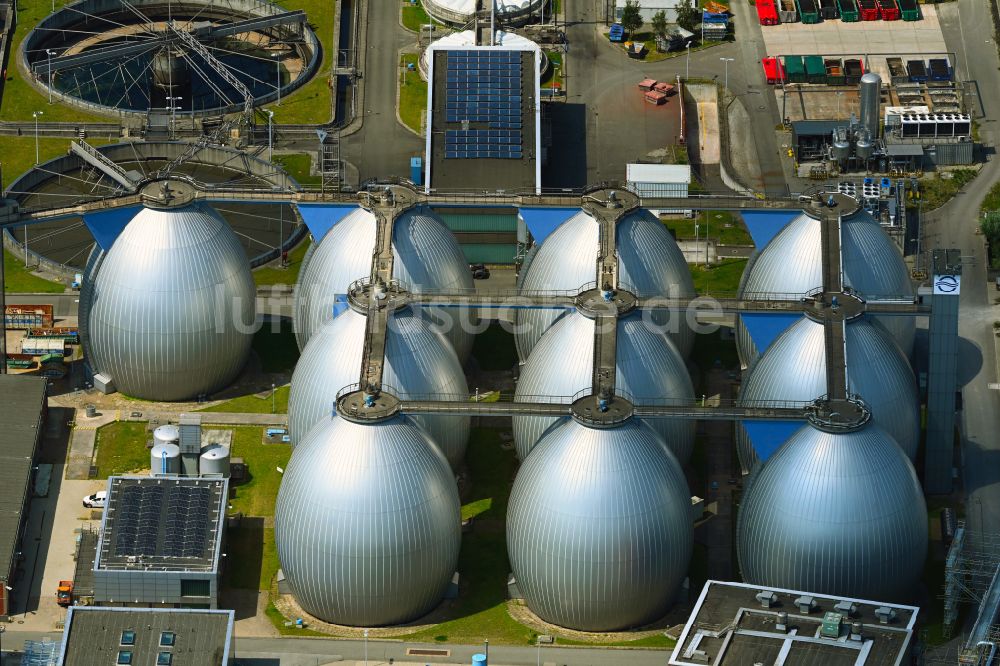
483,118
161,542
146,637
21,417
735,624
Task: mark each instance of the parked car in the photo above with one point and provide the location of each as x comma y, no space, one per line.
95,501
479,271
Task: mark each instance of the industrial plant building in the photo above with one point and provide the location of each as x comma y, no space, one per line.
21,420
161,542
95,636
484,117
733,624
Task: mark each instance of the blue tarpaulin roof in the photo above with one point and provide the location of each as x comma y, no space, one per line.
768,436
712,17
765,327
320,218
543,221
764,225
106,225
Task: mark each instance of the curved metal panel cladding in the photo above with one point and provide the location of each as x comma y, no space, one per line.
367,523
426,255
418,361
794,368
650,264
649,369
94,260
172,307
792,263
839,514
599,527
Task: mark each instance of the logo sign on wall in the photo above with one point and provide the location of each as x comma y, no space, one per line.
947,285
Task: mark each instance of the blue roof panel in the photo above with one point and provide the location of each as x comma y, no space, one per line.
764,225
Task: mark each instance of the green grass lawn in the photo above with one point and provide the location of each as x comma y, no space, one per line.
18,280
121,448
17,153
554,79
272,275
721,225
413,16
721,278
936,191
298,166
992,200
412,93
313,102
251,404
277,350
494,348
253,557
256,495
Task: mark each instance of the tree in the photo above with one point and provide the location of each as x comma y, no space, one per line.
631,19
659,23
688,15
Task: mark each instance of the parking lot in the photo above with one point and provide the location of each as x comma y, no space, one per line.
861,38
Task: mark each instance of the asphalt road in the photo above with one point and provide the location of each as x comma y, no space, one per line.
313,651
968,29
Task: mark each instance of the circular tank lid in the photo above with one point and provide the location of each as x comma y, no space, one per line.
166,447
167,432
215,452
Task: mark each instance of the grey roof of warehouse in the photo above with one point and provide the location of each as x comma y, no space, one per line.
98,636
23,400
162,523
737,623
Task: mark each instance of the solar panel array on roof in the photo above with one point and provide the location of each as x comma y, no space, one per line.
140,521
484,87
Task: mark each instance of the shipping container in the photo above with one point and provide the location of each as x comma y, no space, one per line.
939,69
909,9
869,10
889,10
853,71
38,346
808,11
834,71
767,13
655,97
20,361
828,9
68,334
771,70
917,71
848,10
787,12
28,316
795,69
815,71
897,72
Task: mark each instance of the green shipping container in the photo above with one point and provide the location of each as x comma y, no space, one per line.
848,11
815,70
794,69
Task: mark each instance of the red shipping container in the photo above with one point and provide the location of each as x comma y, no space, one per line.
869,10
767,13
889,10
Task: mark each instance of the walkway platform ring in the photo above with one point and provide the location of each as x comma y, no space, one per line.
361,407
593,303
589,411
836,416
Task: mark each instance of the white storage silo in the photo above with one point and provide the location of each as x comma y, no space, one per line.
164,458
214,460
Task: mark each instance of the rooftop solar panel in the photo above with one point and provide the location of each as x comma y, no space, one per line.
484,86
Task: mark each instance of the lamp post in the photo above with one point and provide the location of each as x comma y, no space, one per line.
50,53
272,398
277,73
687,66
35,114
366,647
725,85
695,243
270,134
